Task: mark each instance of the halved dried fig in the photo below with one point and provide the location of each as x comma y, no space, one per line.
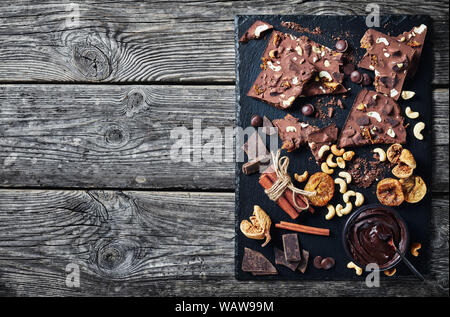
258,227
389,192
402,170
414,189
393,153
323,185
407,158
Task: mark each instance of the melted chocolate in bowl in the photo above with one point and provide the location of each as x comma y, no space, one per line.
368,233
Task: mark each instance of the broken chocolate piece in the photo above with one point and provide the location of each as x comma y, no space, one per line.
292,132
268,127
291,247
254,262
255,166
304,261
255,31
389,58
281,260
325,136
373,119
284,72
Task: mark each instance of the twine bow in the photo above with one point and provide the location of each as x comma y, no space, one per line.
284,181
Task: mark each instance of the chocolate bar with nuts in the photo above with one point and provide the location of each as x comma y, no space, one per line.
389,59
284,72
325,136
255,31
292,133
373,119
415,39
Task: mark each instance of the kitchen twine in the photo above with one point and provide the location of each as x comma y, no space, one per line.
284,181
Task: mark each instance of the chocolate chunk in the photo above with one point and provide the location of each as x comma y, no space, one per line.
383,55
268,127
363,120
318,262
366,81
291,247
255,262
304,261
373,132
292,133
327,263
255,147
255,166
281,260
255,31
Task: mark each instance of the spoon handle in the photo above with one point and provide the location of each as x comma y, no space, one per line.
410,266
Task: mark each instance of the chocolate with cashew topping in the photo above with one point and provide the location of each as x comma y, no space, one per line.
255,31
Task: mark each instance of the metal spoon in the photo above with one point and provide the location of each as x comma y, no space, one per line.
389,239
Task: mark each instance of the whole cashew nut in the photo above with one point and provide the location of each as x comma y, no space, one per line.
352,265
339,210
418,130
347,195
359,199
348,155
322,150
330,162
340,162
336,151
347,209
324,167
301,178
411,114
331,212
381,153
347,176
342,185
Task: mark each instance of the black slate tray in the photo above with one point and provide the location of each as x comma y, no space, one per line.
249,192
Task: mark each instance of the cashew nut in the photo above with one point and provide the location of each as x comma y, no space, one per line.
418,130
359,199
381,153
411,114
407,94
342,185
347,176
335,150
322,150
340,162
352,265
301,178
330,162
344,210
347,195
390,272
348,155
331,212
326,169
415,247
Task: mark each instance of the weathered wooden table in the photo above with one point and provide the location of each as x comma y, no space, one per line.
89,94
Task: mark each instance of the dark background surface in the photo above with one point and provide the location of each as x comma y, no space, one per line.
85,169
249,192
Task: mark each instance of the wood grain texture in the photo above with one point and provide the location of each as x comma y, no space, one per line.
156,243
173,41
118,136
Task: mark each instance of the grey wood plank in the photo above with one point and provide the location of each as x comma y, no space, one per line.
174,41
118,136
157,243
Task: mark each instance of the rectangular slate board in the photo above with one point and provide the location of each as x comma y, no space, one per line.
248,190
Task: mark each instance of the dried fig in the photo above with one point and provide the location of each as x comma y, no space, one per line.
258,227
389,192
323,185
414,189
402,170
407,158
393,153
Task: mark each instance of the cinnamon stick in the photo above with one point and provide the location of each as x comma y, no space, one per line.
288,195
302,228
267,183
